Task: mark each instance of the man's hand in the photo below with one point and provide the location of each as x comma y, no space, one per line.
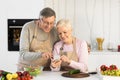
46,55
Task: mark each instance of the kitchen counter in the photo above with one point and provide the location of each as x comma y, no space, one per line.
49,75
96,59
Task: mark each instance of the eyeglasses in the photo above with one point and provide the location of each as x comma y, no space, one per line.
48,23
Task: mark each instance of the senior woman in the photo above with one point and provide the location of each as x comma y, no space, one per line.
73,52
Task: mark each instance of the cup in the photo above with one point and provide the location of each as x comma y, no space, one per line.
100,43
56,57
110,46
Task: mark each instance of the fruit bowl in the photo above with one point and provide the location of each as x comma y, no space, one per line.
106,77
34,71
109,72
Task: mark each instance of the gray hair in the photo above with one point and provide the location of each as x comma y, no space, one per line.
47,12
64,23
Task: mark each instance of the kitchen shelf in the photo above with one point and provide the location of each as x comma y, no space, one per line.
105,52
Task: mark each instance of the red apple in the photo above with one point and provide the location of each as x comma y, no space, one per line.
103,68
113,67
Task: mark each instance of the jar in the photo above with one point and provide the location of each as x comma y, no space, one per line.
118,48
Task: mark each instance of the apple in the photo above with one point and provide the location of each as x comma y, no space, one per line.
113,67
103,68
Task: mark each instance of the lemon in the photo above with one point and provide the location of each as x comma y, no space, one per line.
14,75
9,76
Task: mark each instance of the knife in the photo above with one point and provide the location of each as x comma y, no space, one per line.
92,72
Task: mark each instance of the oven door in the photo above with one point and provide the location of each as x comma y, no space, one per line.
14,30
14,38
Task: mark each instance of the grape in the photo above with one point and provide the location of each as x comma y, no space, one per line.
111,72
117,73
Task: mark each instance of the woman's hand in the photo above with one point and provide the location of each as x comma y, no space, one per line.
65,59
55,63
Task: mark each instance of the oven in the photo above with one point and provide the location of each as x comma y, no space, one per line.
14,30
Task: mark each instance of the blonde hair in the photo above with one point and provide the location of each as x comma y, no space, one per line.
64,23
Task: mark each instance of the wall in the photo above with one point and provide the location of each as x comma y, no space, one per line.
91,19
14,9
96,59
29,9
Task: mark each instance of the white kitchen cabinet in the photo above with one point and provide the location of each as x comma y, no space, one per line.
98,58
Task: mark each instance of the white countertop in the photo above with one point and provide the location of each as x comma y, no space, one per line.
49,75
9,63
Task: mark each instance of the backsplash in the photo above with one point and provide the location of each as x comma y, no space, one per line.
91,19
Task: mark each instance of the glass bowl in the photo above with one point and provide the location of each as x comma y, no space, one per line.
34,71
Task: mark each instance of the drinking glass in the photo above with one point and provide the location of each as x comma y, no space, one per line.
100,43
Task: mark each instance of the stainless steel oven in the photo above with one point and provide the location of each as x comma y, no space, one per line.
14,30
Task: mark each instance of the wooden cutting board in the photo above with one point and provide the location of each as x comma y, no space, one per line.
78,75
